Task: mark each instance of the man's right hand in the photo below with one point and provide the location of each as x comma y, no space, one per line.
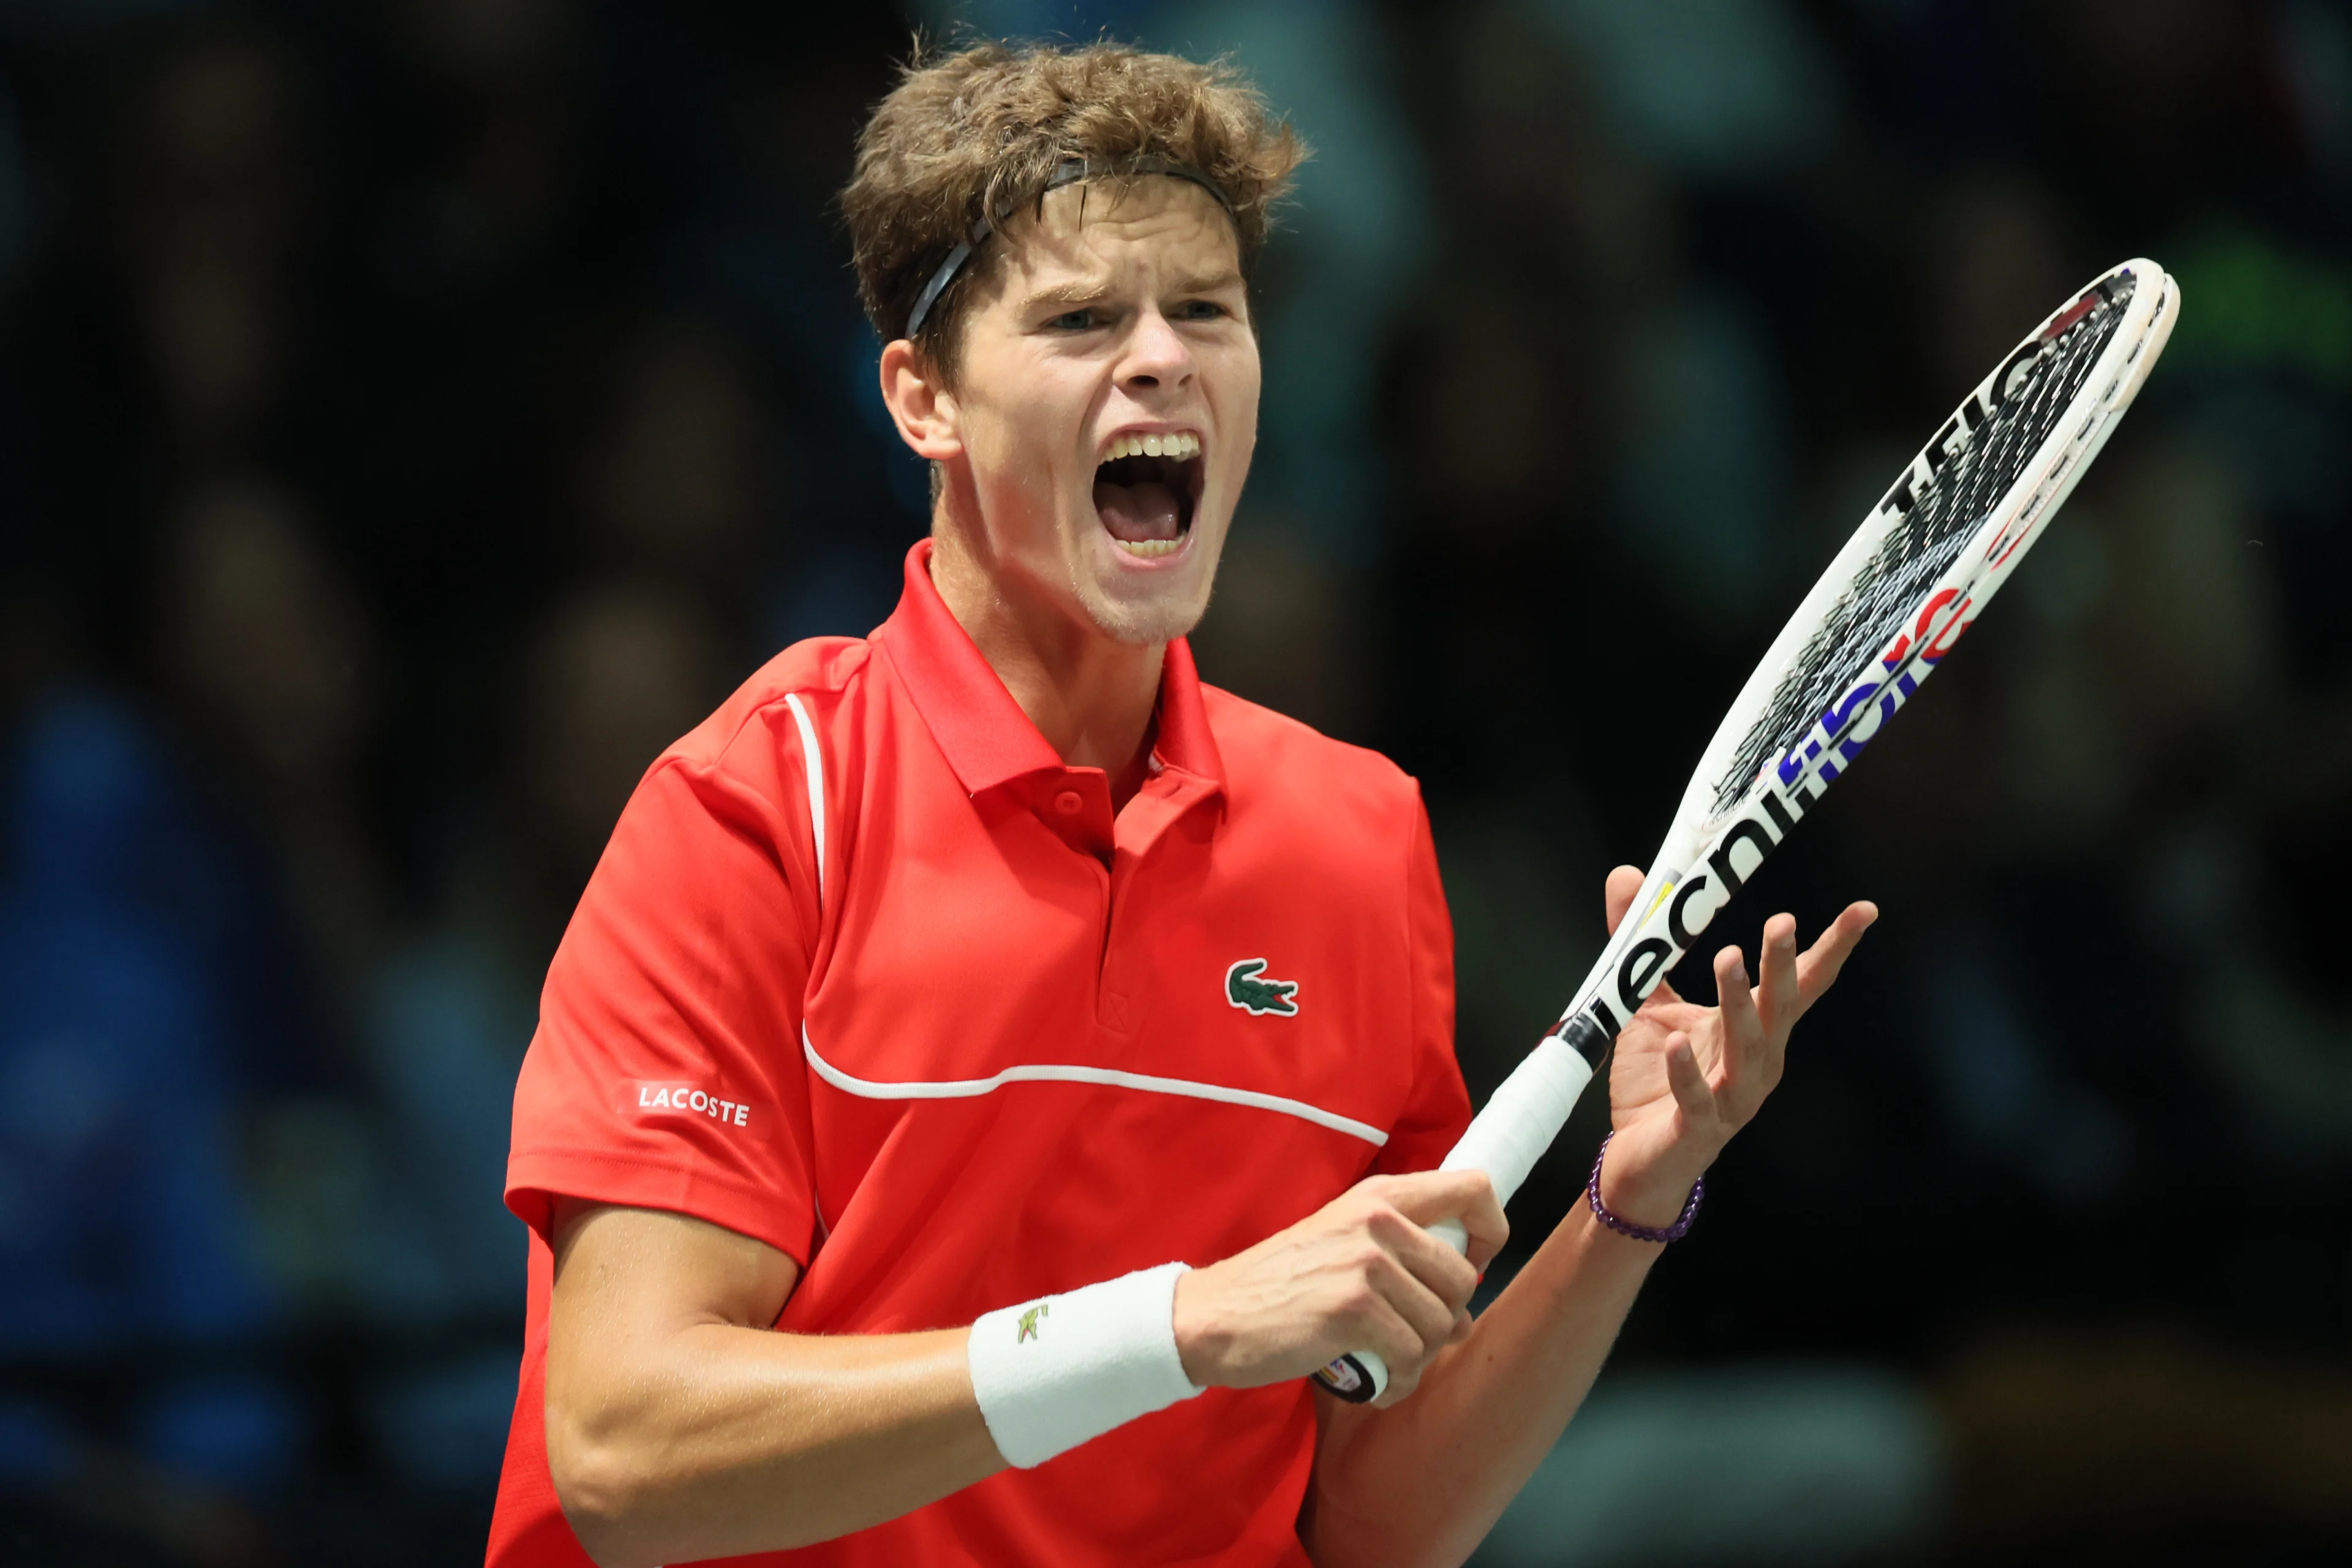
1360,1273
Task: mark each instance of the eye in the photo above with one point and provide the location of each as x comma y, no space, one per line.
1200,311
1083,321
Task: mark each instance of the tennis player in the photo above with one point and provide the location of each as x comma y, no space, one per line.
990,1070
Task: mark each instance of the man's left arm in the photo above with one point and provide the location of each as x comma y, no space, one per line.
1422,1482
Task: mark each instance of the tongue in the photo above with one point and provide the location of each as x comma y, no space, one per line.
1136,513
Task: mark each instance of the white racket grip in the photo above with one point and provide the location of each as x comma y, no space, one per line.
1505,1141
1522,1118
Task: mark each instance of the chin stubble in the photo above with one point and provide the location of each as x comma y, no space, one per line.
1158,621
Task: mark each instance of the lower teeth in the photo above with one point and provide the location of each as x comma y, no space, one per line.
1149,546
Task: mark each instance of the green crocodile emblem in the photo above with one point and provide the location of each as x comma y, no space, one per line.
1244,989
1029,1324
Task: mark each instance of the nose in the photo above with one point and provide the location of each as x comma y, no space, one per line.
1157,356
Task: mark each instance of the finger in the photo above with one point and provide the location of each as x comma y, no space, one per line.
1817,971
1443,1273
1467,1197
1377,1327
1427,1196
1428,1312
1688,1081
1743,1030
1777,996
1487,1227
1617,894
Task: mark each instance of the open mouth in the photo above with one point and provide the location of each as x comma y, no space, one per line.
1146,491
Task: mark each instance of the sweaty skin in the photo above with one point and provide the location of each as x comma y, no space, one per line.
679,1426
1110,315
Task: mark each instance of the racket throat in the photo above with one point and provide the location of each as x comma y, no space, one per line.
1585,1036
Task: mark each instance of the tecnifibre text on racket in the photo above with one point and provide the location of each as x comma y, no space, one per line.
1913,576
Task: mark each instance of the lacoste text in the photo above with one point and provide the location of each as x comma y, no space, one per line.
687,1100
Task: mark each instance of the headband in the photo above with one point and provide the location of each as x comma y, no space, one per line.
1068,173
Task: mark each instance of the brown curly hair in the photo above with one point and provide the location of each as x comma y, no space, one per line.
981,130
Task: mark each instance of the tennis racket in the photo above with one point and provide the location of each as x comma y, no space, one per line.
1915,575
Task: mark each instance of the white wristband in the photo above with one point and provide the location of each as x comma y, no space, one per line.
1054,1372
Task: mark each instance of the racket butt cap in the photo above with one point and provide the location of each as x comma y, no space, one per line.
1348,1378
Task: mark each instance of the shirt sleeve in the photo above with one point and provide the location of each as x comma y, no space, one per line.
1439,1108
666,1072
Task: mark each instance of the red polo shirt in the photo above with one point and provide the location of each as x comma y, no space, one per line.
867,973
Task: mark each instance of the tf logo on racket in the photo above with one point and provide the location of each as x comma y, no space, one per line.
1255,996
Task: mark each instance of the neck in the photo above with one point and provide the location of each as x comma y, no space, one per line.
1091,696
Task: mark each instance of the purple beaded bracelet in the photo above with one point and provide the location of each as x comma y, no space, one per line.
1674,1232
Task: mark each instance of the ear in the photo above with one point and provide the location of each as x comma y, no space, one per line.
925,412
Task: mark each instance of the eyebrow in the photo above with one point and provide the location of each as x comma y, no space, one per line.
1077,292
1086,291
1208,282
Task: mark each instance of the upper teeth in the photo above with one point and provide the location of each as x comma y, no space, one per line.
1181,446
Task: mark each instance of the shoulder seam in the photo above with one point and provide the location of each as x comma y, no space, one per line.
783,698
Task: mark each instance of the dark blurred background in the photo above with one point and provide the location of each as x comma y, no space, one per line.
417,413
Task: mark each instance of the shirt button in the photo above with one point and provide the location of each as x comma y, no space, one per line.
1068,804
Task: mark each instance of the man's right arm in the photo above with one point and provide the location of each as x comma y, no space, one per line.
680,1425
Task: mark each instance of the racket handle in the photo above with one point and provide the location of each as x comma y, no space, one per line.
1527,1111
1520,1122
1362,1376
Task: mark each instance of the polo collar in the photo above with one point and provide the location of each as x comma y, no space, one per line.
981,729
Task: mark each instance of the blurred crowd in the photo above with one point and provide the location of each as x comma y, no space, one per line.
416,414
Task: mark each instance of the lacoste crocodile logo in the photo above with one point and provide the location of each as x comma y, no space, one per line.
1029,1324
1244,990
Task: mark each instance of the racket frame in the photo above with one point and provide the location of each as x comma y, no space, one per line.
1700,865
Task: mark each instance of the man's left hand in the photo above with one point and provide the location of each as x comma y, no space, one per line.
1686,1078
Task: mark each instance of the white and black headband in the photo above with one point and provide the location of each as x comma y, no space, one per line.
1068,173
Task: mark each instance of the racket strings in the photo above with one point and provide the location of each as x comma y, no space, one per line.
1949,509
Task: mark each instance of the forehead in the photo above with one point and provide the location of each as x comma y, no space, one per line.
1093,229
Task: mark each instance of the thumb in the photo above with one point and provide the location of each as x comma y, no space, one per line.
1425,1198
1617,893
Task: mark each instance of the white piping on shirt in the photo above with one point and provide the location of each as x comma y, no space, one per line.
813,765
812,762
1042,1072
1028,1072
